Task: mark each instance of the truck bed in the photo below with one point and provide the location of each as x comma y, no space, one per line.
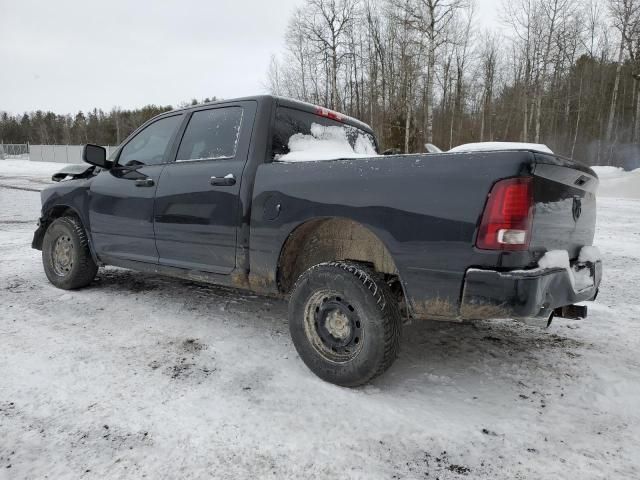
425,209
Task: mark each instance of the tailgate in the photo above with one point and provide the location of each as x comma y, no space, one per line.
565,205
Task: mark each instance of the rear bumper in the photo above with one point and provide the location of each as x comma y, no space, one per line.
523,294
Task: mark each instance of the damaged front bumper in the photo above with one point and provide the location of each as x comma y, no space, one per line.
38,235
525,294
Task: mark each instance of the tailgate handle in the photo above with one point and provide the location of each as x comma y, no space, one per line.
226,181
582,179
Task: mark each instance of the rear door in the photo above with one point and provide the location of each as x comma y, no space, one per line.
197,207
121,199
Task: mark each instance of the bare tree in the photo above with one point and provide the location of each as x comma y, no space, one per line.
417,71
274,84
624,14
489,63
431,18
297,46
553,10
524,19
327,25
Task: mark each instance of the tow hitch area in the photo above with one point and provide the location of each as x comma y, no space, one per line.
573,312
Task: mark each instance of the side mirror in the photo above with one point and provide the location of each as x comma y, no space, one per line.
96,155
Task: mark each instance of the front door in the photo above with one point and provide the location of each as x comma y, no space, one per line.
197,210
121,200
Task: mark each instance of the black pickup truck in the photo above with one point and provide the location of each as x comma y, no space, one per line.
358,245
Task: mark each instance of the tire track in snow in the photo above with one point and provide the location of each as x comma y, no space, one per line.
13,187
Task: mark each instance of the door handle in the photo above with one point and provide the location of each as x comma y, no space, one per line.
226,181
145,182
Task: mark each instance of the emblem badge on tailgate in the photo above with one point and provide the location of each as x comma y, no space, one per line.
577,208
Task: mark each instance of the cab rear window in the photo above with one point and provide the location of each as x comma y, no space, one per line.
297,124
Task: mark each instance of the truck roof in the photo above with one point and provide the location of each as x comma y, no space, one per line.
290,103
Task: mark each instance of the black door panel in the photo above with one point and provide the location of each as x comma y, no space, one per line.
121,200
121,213
195,221
197,208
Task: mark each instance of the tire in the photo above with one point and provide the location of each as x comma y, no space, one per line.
65,254
344,322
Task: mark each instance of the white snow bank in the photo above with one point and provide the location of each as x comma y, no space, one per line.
605,171
326,143
616,182
26,168
493,146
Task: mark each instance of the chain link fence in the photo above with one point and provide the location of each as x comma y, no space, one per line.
45,153
18,151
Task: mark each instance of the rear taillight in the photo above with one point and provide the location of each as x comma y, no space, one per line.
507,217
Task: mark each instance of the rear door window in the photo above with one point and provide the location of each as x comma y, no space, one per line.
211,134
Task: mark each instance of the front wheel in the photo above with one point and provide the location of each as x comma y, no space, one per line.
344,322
65,254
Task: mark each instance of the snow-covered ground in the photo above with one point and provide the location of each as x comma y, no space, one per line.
143,375
615,182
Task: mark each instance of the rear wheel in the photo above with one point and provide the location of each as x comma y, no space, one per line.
344,322
65,254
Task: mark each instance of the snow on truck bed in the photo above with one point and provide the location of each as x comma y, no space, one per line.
332,143
497,146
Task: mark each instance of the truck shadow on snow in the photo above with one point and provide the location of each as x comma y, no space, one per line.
443,353
503,351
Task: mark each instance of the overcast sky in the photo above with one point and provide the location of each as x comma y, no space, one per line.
70,55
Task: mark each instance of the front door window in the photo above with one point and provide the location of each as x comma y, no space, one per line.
150,145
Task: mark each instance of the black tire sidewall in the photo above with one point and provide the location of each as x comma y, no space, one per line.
58,227
367,363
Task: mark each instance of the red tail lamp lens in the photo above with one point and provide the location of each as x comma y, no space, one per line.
508,214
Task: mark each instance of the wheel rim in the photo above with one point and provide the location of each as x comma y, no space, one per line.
62,255
333,327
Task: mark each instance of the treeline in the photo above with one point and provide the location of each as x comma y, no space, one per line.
561,72
97,126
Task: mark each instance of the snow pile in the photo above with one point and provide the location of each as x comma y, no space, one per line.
27,175
26,168
589,254
555,259
580,276
606,172
494,146
616,182
326,143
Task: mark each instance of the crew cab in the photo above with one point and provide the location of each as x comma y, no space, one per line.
226,193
